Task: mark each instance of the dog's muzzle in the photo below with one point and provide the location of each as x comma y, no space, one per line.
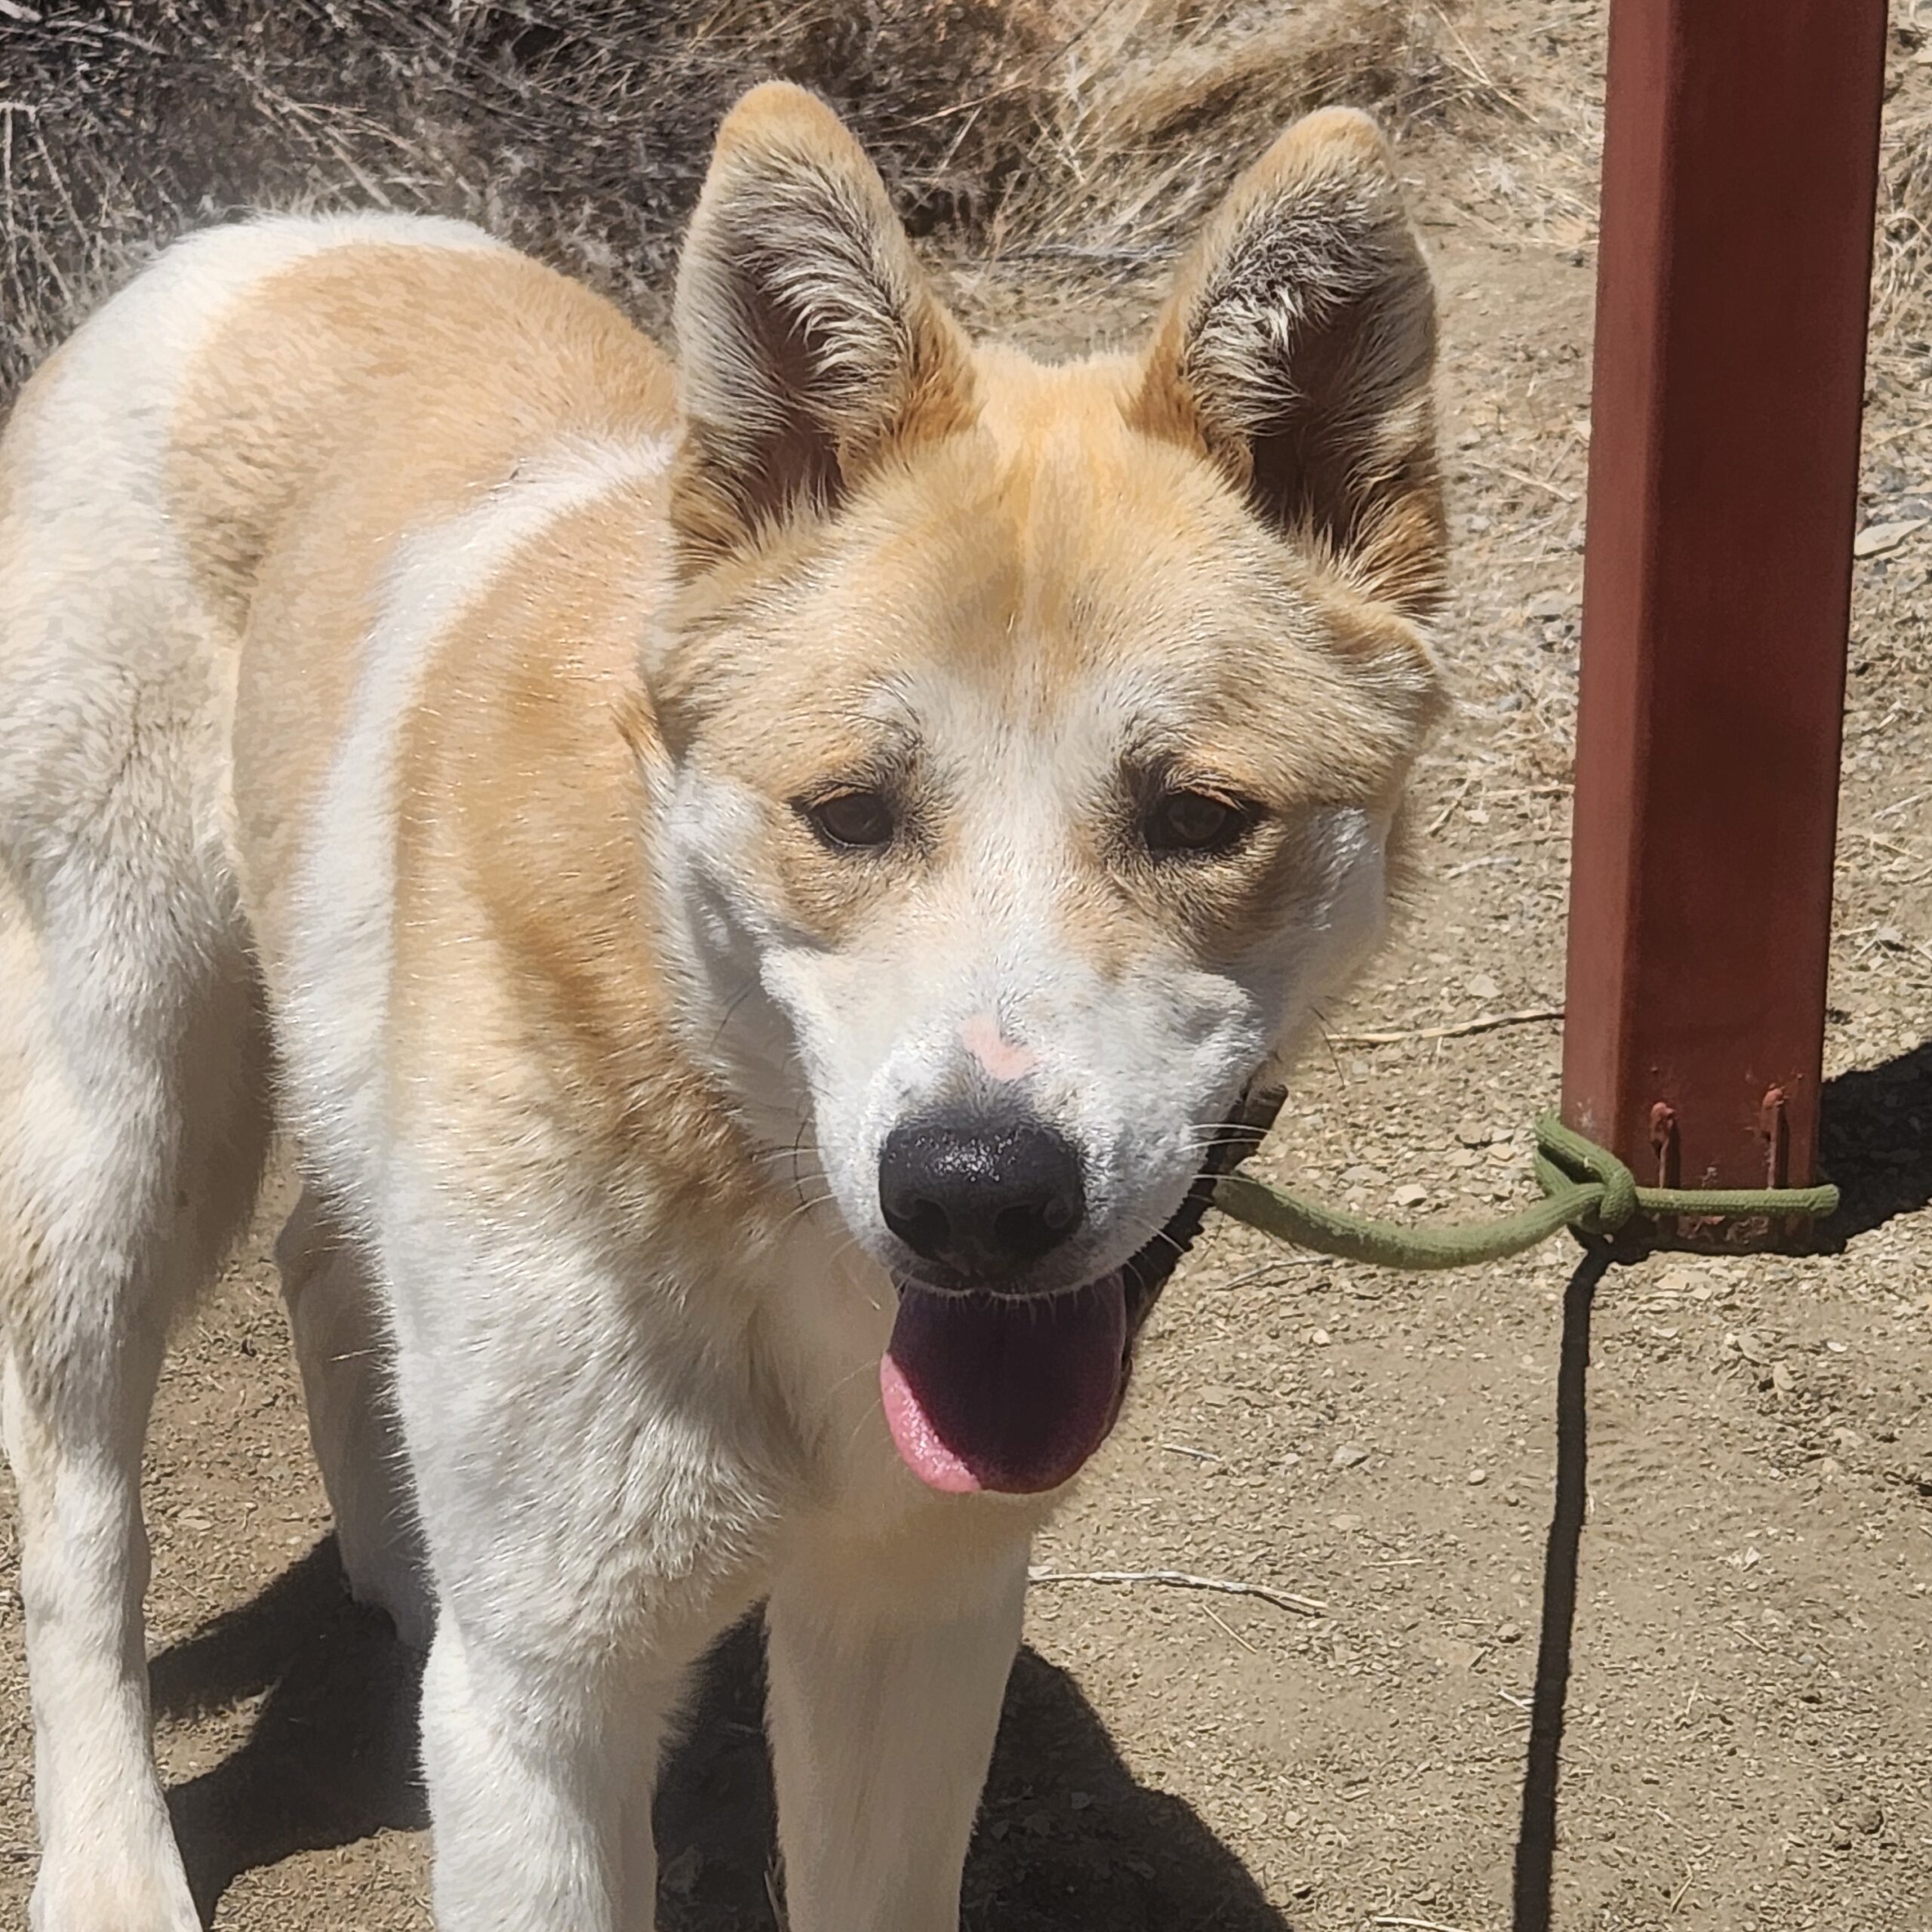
986,1391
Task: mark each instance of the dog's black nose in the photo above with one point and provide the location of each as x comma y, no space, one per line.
983,1198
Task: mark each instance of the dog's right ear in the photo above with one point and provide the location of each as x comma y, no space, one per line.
811,346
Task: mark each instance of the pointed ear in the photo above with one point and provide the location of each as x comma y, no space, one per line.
811,343
1298,349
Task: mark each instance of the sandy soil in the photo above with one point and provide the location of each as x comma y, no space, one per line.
1749,1718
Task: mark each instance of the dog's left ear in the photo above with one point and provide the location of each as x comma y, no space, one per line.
810,344
1298,350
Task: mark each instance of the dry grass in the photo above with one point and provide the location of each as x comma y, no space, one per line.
580,127
1900,368
1155,104
1902,284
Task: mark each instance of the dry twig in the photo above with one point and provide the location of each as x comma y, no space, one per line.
1487,1022
1183,1579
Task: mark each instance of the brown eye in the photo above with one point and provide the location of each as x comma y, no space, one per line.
852,821
1194,824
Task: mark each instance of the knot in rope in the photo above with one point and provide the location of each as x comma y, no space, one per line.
1561,1155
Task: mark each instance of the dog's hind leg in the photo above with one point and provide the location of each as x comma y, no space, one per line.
132,1132
885,1694
345,1356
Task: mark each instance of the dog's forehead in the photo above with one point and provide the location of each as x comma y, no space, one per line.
1052,575
1054,557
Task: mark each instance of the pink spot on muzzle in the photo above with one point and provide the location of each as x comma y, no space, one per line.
1002,1058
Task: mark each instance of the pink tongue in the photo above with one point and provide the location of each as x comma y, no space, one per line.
981,1393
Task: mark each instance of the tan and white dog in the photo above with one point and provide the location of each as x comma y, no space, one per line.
758,893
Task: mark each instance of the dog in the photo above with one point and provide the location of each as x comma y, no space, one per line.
763,896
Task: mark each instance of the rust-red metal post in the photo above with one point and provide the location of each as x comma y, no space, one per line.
1740,167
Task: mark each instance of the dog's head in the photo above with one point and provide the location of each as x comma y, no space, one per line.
1035,735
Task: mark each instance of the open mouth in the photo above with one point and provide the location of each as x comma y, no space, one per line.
1014,1393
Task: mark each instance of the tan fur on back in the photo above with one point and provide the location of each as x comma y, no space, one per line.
374,390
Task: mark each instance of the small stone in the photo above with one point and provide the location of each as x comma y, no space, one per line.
1347,1456
1080,1800
1547,604
1867,1818
1840,1839
1409,1195
1876,539
1345,1525
1508,1633
1320,1337
1479,1476
1481,986
1783,1380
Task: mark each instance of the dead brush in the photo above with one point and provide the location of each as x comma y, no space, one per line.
1157,104
1093,129
1901,276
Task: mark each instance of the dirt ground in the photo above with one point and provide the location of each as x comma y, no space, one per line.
1748,1740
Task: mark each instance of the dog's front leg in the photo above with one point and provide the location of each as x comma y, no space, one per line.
887,1674
595,1513
537,1775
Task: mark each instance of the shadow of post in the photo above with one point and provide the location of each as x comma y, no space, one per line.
1536,1838
1069,1840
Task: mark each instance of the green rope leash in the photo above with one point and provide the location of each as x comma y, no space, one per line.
1585,1187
